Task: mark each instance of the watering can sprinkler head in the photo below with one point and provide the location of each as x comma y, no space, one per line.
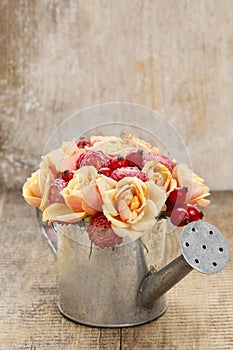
203,248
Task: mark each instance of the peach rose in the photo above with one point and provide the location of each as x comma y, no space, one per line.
104,184
31,190
55,162
62,159
81,197
160,174
132,206
197,189
81,193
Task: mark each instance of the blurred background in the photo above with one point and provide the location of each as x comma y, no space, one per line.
174,56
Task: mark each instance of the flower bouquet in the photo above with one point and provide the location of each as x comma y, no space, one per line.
117,187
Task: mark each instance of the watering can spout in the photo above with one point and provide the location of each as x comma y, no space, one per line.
203,248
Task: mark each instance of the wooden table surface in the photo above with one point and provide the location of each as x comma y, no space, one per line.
199,316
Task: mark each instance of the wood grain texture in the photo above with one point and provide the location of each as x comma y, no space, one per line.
60,56
199,316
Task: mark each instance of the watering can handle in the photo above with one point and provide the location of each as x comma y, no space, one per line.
48,232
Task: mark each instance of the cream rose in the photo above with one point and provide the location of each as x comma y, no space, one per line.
31,190
197,189
113,146
132,206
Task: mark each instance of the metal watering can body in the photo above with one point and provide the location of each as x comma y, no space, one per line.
127,285
100,289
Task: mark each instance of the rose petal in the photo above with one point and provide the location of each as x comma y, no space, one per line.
62,213
105,183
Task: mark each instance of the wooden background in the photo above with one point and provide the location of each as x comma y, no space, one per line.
57,57
174,56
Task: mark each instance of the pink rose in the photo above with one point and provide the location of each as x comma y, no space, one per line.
93,158
55,191
120,173
101,233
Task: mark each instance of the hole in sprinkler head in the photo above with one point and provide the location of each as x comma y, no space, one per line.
187,244
210,232
193,229
196,261
204,246
221,249
214,263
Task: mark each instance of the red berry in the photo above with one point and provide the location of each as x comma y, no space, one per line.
179,217
67,175
105,171
82,142
135,159
178,196
194,213
119,162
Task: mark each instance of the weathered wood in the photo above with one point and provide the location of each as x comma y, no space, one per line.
60,56
200,309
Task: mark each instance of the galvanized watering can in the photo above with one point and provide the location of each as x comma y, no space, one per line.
127,285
